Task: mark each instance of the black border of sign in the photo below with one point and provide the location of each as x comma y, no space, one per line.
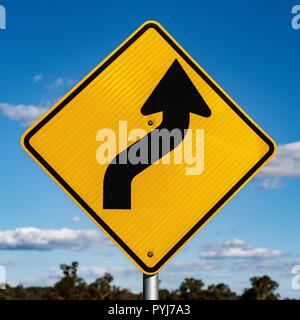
88,208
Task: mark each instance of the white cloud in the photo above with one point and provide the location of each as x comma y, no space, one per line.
286,162
271,184
88,273
20,112
38,239
94,272
207,270
186,269
266,265
39,280
237,248
76,219
37,78
7,263
236,243
61,82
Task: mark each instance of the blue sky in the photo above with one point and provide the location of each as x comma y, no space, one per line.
249,48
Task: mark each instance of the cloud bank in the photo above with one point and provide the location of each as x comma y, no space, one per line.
44,240
237,248
26,114
286,162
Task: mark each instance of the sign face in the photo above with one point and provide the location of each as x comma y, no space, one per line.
149,146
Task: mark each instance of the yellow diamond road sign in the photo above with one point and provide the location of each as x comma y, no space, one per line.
103,144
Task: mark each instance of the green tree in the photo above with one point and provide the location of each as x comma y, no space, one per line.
220,291
70,287
263,288
165,294
191,289
101,288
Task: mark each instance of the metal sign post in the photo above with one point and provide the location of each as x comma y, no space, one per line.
150,287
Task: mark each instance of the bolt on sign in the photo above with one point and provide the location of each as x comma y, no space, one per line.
149,146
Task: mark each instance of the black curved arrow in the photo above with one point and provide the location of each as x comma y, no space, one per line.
175,96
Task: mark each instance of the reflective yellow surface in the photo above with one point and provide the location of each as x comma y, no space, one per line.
166,203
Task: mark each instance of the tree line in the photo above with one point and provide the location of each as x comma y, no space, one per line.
72,287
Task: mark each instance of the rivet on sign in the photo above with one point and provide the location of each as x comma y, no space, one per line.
150,254
150,122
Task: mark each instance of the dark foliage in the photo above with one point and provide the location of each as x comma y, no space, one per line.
71,287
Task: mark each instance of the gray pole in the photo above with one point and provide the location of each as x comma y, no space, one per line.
150,287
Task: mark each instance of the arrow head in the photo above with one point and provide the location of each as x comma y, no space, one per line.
176,93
